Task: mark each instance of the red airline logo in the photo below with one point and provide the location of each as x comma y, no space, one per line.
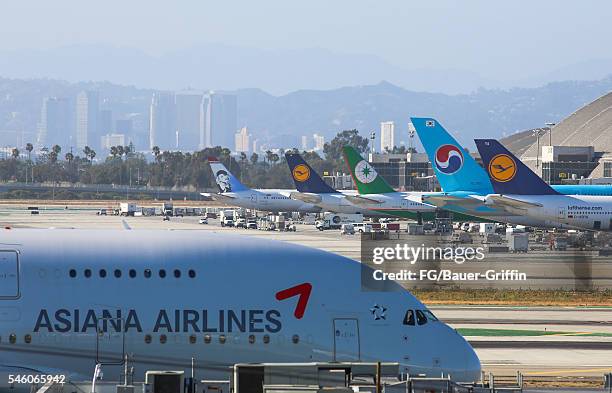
301,290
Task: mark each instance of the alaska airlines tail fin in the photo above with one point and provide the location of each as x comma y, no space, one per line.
508,174
364,175
455,169
224,178
305,178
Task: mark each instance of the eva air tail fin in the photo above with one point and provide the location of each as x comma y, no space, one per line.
305,178
454,167
364,175
224,178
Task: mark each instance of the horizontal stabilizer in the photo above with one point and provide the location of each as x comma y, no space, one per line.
507,202
307,197
362,201
225,197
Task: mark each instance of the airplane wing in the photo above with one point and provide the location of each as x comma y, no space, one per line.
307,197
505,202
360,200
443,200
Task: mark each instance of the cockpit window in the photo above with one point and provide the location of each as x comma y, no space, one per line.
409,318
430,316
421,318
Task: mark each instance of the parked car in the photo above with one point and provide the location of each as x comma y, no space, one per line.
240,223
203,220
347,229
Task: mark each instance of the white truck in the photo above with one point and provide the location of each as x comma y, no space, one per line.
227,218
335,220
127,209
167,209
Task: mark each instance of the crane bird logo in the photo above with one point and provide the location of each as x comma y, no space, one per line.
502,168
449,159
301,173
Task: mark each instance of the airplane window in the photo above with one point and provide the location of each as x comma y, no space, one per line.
252,339
72,273
163,339
102,273
295,339
421,318
177,273
266,339
87,273
117,273
147,273
27,338
222,339
162,273
12,338
207,339
409,318
132,273
192,273
430,316
147,339
192,339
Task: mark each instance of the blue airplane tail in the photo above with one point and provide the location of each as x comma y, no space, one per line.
305,178
508,174
225,180
455,169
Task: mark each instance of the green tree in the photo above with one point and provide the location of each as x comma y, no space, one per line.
333,149
15,153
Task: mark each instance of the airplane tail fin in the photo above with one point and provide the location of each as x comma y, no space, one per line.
364,175
305,178
455,169
224,178
508,174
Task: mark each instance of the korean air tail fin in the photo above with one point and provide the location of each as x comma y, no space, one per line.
364,175
224,178
508,174
454,167
305,178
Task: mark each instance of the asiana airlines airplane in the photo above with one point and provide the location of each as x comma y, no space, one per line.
70,299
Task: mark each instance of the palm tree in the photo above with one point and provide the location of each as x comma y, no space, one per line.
69,157
15,153
87,151
113,151
29,148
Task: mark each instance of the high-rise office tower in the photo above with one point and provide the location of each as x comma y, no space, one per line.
87,109
319,142
219,120
387,136
55,127
162,125
188,119
242,138
304,143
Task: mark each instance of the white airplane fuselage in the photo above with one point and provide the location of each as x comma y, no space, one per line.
222,299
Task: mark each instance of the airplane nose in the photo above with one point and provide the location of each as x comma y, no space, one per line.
465,364
472,371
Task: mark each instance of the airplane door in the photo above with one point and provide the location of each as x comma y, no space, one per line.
110,341
346,340
9,274
562,213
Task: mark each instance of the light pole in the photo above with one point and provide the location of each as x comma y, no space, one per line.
537,133
372,139
550,127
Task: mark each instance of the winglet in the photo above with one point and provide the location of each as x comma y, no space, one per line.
364,175
508,174
305,178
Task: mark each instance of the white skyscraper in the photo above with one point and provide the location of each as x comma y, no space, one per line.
319,142
242,138
87,109
304,142
387,136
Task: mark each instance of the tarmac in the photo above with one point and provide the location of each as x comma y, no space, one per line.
547,341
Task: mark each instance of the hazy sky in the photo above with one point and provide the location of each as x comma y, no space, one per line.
497,39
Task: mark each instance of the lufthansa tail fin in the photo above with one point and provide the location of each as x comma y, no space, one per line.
508,174
224,178
305,178
454,167
364,175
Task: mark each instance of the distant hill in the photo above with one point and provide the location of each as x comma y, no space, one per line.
281,120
